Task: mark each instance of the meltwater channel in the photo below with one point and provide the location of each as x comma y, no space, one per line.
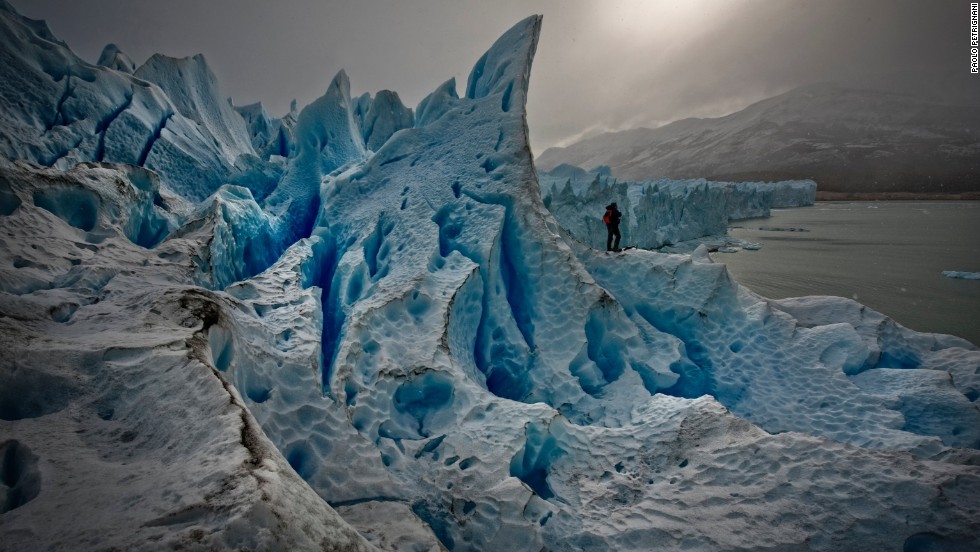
888,255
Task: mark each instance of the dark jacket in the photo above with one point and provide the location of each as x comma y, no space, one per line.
612,215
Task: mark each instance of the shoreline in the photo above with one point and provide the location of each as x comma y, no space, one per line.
895,196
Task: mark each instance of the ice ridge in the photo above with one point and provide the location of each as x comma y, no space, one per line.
327,138
114,58
437,103
193,89
379,118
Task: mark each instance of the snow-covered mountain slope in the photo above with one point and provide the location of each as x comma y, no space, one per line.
661,212
442,364
845,139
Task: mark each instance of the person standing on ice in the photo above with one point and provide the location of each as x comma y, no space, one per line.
611,218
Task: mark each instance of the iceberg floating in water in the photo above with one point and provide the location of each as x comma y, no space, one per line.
398,346
782,229
961,275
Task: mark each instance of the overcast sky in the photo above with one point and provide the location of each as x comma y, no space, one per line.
601,65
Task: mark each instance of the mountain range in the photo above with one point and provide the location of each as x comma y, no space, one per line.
846,139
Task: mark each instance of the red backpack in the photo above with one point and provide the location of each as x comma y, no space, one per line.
607,218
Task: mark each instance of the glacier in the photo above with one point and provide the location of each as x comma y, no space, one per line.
359,327
663,212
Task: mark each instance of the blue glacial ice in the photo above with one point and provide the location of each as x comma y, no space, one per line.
382,116
661,212
391,343
270,137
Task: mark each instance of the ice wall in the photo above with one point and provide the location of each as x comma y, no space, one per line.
661,212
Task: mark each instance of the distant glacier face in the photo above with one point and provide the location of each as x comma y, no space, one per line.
662,212
359,327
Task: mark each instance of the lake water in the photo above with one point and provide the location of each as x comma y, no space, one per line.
887,255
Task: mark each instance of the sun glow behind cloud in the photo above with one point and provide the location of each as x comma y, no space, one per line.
635,65
666,22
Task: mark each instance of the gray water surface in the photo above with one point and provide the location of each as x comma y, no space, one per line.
888,255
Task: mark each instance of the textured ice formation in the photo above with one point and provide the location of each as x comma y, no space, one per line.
437,103
961,275
236,237
114,58
661,212
381,117
117,428
270,137
193,90
434,357
328,138
260,126
58,110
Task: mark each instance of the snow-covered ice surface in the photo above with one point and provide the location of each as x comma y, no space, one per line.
118,429
434,356
661,212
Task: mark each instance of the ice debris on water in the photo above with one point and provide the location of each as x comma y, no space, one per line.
782,229
961,275
340,330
